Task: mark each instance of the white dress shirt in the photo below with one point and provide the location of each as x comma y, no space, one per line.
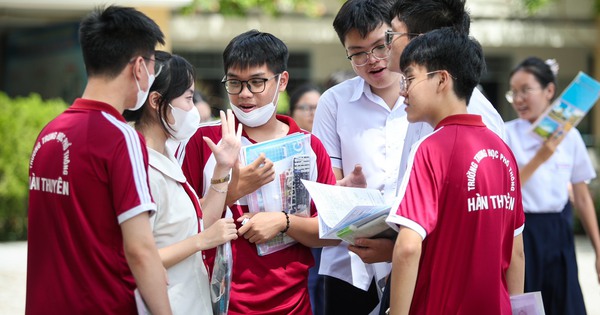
546,191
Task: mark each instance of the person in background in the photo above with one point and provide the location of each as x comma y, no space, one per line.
169,112
303,104
255,66
547,168
203,107
89,240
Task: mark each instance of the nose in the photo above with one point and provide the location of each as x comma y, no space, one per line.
245,92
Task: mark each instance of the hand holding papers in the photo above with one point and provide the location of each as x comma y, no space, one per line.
348,213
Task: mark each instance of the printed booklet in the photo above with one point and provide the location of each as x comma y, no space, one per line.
527,304
348,213
568,109
291,160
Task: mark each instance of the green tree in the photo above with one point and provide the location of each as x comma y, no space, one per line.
244,7
21,121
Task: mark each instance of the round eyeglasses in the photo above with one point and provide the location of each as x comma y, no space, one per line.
380,52
405,82
389,36
511,95
254,85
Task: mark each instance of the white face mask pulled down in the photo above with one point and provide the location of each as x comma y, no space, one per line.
142,95
259,116
186,123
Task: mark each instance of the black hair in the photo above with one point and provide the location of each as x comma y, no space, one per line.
362,15
176,77
111,37
447,49
299,92
539,69
422,16
254,49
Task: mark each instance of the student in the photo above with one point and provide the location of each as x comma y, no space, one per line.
255,66
459,248
90,243
371,104
169,113
547,169
303,104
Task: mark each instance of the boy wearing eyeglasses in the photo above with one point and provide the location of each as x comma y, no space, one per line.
460,216
361,121
255,65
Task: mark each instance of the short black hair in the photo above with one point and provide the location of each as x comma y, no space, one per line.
112,36
422,16
447,49
299,92
362,15
539,69
254,49
176,77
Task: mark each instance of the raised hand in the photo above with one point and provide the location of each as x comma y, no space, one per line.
227,151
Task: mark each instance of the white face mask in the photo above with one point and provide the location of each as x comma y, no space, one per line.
186,122
142,95
259,116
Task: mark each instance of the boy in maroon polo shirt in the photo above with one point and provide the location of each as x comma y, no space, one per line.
255,65
459,249
90,243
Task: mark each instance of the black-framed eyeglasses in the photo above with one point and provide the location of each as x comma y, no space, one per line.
405,82
389,36
254,85
380,52
158,65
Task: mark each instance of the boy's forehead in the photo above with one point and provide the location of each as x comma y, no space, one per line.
413,68
249,71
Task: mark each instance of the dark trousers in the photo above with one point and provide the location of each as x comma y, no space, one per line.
344,298
316,285
550,263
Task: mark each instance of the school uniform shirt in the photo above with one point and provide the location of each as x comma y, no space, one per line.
462,195
276,283
87,174
478,105
570,163
176,219
358,127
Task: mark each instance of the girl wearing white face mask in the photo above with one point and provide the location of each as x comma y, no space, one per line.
169,113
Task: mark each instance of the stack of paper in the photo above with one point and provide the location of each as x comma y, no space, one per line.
291,160
348,213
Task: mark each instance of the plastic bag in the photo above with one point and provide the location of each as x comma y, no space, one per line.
220,283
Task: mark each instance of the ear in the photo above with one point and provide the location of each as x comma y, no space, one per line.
283,81
154,99
138,68
444,81
549,91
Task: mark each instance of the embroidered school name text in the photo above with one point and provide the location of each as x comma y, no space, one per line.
492,202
